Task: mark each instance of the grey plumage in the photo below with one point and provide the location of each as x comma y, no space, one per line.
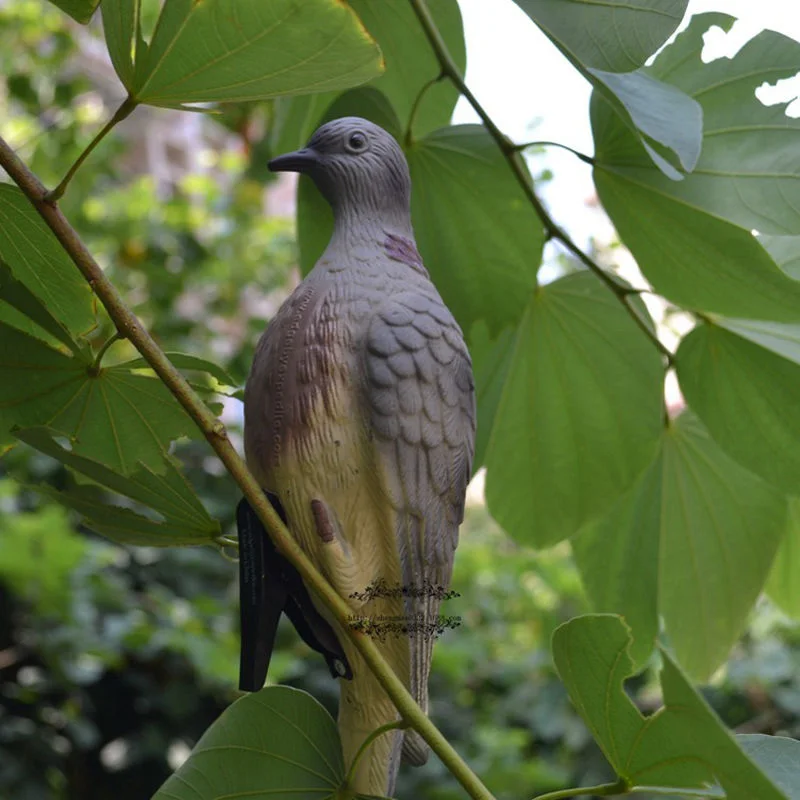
361,399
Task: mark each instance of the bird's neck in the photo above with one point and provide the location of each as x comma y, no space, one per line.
354,228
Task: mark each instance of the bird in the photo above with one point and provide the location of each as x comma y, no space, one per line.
359,420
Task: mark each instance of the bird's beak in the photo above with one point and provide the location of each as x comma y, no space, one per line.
298,161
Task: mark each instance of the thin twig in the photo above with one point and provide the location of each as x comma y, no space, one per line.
509,150
415,108
128,104
129,325
602,790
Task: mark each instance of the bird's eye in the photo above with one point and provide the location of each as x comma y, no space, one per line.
356,142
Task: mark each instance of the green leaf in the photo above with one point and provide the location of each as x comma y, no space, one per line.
778,757
683,745
786,252
240,50
693,541
783,587
278,742
748,170
115,416
614,35
80,10
580,413
182,518
655,112
779,337
478,235
712,265
747,398
410,65
21,309
410,60
187,362
37,260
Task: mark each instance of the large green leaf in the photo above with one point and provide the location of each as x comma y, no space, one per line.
239,50
747,398
749,170
778,757
683,745
579,416
189,362
410,66
478,235
113,416
79,10
182,518
783,585
613,35
693,540
36,259
711,265
279,743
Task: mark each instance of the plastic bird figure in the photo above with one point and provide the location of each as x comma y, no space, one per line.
360,422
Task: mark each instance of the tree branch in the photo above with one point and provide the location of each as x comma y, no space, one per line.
510,151
130,328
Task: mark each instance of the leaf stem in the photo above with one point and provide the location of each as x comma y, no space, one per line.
128,104
671,791
214,431
545,143
510,151
602,790
95,368
415,108
389,726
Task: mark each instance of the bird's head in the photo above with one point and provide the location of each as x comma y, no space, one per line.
358,167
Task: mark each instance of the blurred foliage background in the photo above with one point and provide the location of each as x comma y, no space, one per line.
114,660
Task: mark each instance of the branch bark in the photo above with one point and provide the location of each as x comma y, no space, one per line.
130,327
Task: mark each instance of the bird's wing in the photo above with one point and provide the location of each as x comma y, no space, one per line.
421,401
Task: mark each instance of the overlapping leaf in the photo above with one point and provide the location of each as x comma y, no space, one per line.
277,742
579,416
683,745
783,585
747,398
615,35
786,252
478,235
182,518
233,51
36,259
693,541
749,171
114,416
607,43
410,65
778,757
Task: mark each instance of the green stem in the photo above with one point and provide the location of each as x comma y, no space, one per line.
95,368
581,156
671,791
602,790
509,150
214,431
415,108
389,726
128,104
